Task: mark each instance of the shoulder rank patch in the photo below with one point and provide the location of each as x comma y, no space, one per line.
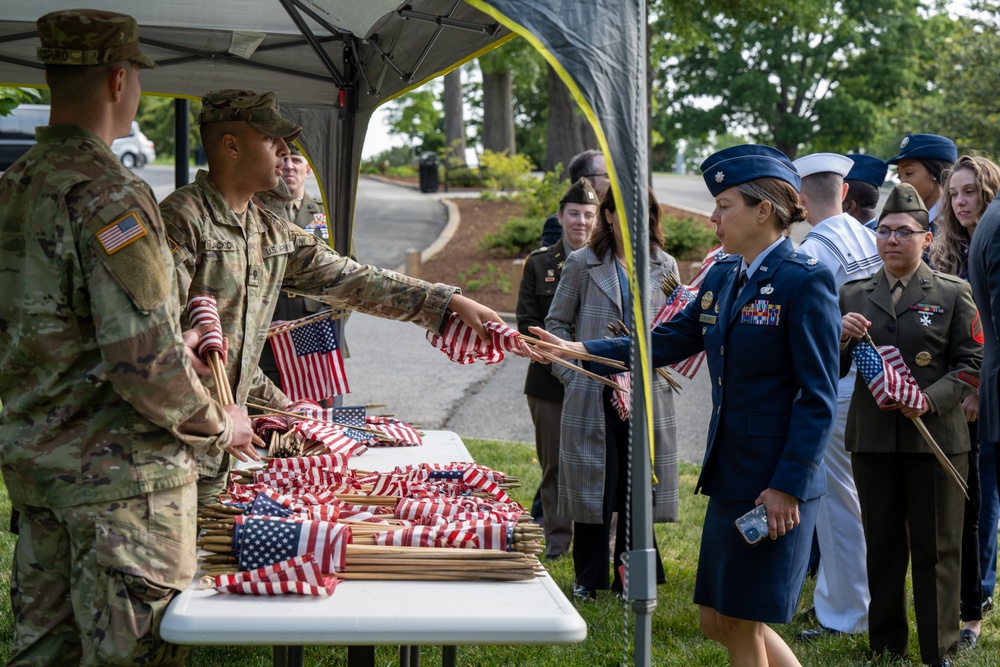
977,330
121,232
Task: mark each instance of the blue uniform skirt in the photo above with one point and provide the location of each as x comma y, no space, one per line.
758,583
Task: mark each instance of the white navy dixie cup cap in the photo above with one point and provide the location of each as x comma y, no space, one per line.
819,163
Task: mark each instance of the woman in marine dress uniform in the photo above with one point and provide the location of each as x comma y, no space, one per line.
772,351
910,509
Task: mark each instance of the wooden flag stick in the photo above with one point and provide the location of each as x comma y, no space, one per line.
611,363
289,326
941,456
593,376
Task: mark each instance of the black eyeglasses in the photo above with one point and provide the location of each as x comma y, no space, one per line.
901,234
604,175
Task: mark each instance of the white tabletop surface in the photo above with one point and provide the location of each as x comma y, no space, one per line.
381,612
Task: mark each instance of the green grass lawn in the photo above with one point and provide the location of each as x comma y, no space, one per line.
676,638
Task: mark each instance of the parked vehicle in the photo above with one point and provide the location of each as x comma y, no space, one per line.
17,131
135,149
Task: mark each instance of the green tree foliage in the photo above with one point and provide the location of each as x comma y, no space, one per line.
418,116
956,100
795,74
10,98
156,120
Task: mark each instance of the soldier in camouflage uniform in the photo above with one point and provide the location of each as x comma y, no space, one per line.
104,414
225,245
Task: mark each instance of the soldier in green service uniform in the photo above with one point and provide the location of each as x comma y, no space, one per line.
225,245
104,414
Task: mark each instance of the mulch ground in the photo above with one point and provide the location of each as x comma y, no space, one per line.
490,277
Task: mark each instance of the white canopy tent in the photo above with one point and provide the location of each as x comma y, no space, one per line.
330,62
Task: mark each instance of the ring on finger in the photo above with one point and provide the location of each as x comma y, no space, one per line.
789,523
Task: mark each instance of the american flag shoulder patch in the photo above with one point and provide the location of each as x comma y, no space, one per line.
121,232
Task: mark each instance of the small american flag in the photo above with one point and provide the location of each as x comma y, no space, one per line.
266,505
263,542
462,345
335,438
309,361
120,233
621,399
399,432
887,376
300,575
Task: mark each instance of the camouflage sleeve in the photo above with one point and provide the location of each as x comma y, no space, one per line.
263,391
182,242
316,270
136,320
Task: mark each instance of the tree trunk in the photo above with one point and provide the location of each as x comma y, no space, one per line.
569,131
498,113
454,118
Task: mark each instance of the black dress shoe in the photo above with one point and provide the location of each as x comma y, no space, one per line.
584,594
819,632
808,615
987,605
947,662
967,640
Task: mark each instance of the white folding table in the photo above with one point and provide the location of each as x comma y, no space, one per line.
362,614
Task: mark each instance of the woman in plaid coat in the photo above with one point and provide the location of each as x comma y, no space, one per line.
594,438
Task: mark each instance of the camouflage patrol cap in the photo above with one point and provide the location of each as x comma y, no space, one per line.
89,37
904,199
581,192
258,109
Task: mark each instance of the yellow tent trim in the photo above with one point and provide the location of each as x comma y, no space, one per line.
642,335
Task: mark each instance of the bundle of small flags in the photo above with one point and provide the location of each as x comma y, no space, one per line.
297,519
345,431
463,345
203,310
888,377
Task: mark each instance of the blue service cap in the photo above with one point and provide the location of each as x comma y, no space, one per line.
739,164
927,146
868,169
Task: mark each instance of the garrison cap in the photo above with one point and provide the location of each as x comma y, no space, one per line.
258,109
821,163
867,169
903,199
89,37
926,146
581,192
739,164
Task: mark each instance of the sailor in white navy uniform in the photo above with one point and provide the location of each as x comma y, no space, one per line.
848,249
863,183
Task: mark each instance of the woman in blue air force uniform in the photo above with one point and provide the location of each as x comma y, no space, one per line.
772,349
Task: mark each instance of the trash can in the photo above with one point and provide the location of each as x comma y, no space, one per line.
429,172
